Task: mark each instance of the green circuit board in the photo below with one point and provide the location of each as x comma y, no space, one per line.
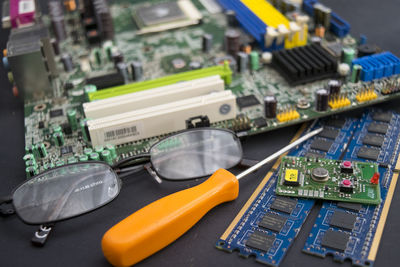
155,51
329,180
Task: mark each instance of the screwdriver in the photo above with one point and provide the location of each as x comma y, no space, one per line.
158,224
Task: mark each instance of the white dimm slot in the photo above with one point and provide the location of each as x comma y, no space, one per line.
162,119
152,97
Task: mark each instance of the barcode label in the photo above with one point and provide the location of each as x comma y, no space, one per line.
121,133
26,6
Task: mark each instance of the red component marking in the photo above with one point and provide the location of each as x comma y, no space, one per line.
347,164
375,178
346,182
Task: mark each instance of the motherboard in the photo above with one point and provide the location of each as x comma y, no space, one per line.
105,81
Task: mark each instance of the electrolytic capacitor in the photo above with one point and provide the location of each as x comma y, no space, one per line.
94,156
87,151
67,62
123,70
348,55
195,65
85,130
58,139
117,57
243,61
270,106
42,150
231,18
136,70
31,171
254,60
334,87
106,156
232,41
73,121
207,42
56,46
112,150
83,158
356,73
321,99
56,14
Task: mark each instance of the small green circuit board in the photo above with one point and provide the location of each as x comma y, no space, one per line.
329,180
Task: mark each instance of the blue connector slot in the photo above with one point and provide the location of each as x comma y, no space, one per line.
378,66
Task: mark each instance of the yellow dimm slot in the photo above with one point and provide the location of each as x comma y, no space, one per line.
273,18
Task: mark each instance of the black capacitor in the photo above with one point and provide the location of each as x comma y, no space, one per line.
195,65
123,70
104,19
231,18
56,46
207,42
321,100
136,70
270,106
67,62
334,87
117,57
243,62
232,41
366,50
93,37
56,13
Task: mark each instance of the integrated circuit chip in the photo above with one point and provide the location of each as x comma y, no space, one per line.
368,153
260,122
315,155
380,128
336,240
343,220
373,140
329,133
159,13
260,241
247,101
56,113
350,206
320,144
273,222
337,123
284,204
382,116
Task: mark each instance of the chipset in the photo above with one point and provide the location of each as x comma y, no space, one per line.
165,16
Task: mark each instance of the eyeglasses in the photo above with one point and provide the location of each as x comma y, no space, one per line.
75,189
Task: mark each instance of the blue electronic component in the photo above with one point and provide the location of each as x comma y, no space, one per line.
338,26
250,22
378,66
259,204
359,248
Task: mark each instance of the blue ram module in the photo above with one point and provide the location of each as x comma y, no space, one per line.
353,232
267,225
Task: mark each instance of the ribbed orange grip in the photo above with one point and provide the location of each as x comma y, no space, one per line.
160,223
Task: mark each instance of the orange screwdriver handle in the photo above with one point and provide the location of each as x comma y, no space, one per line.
160,223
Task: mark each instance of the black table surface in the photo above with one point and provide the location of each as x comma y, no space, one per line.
76,242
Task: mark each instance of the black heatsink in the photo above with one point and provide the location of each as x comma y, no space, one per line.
304,64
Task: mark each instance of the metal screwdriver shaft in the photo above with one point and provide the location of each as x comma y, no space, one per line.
278,153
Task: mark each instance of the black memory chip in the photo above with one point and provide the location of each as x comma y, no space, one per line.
247,101
368,153
336,240
273,222
382,116
320,144
343,220
380,128
337,123
373,140
56,113
329,133
284,204
260,122
260,241
315,155
350,206
66,150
